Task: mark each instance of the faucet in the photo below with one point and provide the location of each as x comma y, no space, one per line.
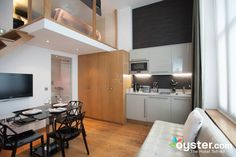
173,85
155,86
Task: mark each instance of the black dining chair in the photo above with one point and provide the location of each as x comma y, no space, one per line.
78,105
69,128
11,140
74,108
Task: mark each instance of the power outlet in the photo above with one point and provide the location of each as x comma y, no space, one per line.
46,88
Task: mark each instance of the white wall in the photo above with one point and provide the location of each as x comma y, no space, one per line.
125,31
6,14
208,32
36,61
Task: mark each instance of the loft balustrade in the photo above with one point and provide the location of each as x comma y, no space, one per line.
92,18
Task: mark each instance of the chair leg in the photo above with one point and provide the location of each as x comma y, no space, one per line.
13,154
42,145
31,148
48,142
85,142
62,148
83,129
67,144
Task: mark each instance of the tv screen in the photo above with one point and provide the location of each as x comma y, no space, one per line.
15,85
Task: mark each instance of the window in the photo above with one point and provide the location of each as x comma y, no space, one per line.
226,53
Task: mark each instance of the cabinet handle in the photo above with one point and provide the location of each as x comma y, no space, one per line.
144,108
157,97
180,98
140,59
160,72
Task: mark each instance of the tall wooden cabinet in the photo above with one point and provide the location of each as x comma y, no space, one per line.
102,84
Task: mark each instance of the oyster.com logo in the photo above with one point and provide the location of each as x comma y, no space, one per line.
198,146
174,141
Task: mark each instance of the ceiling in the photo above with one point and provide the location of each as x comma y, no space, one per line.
51,35
55,41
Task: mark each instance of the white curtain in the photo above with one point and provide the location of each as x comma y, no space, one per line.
226,54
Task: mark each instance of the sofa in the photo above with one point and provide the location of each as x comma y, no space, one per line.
159,142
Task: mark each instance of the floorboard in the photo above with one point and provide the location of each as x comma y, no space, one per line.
106,139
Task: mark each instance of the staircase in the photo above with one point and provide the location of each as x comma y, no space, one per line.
12,39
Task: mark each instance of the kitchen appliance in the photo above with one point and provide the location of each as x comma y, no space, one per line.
141,66
146,89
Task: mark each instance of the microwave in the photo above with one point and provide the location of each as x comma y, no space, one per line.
141,66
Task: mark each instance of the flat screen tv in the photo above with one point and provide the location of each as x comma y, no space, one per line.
15,85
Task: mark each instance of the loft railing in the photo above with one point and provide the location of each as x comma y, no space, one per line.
88,17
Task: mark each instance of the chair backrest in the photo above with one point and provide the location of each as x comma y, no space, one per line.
72,121
5,134
76,107
71,126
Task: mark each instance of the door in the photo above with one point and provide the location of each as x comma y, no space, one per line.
103,85
136,107
88,85
116,101
83,88
94,106
158,108
180,109
61,75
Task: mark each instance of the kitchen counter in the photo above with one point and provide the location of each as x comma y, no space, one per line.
177,94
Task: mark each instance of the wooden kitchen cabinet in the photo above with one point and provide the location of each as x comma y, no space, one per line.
88,86
102,85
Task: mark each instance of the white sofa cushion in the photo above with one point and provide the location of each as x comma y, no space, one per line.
192,126
211,133
157,143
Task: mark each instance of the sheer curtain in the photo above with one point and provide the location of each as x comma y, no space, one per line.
226,53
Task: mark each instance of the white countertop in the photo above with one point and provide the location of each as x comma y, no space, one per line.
177,94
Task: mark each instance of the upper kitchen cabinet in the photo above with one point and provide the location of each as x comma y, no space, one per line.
140,54
182,58
160,60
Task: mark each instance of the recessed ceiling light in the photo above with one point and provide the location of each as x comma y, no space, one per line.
47,41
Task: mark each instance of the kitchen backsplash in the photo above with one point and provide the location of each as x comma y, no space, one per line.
164,81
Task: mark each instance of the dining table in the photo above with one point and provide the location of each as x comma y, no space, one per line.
48,112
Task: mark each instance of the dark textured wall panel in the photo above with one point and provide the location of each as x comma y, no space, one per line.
163,23
164,81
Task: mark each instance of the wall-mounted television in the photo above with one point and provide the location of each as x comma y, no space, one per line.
15,85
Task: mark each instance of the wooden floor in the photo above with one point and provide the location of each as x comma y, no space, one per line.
106,140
